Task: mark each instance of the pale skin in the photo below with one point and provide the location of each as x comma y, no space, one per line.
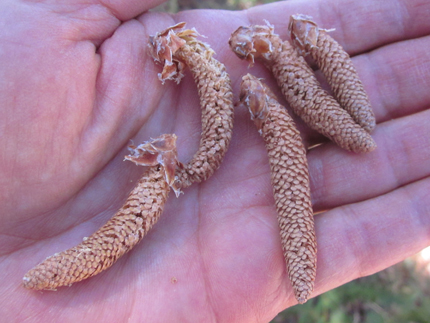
75,86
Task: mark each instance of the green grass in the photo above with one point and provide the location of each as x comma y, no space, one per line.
398,294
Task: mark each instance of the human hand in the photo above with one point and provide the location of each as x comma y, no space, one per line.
76,86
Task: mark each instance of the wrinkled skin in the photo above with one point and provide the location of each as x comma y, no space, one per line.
76,85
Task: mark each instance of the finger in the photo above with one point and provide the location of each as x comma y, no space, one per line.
130,94
125,10
381,22
397,78
93,21
402,157
392,91
128,91
337,177
361,239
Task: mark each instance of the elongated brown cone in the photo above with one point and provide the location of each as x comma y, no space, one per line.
300,87
337,67
176,48
290,181
121,233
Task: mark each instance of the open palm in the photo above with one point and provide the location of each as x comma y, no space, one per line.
77,84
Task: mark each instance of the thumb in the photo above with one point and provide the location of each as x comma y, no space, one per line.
127,9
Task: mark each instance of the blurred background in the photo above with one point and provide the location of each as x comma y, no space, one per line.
399,294
179,5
